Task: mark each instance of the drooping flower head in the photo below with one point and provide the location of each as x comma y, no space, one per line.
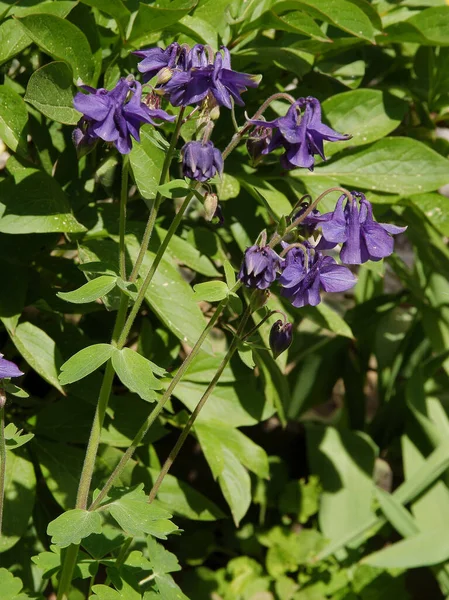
8,368
260,267
310,221
258,141
305,274
352,224
201,160
301,133
188,78
114,115
281,337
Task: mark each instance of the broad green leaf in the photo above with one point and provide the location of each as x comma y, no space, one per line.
276,386
327,317
50,563
13,120
115,8
211,291
235,484
13,39
277,202
424,549
73,526
203,368
50,90
188,255
293,22
20,490
177,188
366,114
130,508
12,299
11,586
60,8
84,362
397,515
39,350
287,59
104,592
344,15
136,373
33,202
397,165
350,457
428,27
90,291
199,30
152,18
435,207
146,159
63,41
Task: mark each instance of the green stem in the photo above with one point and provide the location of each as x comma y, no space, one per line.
2,460
67,572
157,201
158,408
157,259
122,226
210,388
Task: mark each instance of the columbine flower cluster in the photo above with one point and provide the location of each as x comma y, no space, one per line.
305,271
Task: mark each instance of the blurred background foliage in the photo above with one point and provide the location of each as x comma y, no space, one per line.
321,475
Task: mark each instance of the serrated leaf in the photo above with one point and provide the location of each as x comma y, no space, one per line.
39,350
90,291
63,41
136,372
73,526
50,89
211,291
13,120
397,165
11,586
130,508
84,362
14,438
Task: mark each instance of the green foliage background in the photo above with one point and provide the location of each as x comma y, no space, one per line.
321,475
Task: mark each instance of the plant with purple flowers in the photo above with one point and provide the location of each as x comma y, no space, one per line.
201,161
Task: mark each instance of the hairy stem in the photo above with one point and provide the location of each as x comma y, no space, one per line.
210,388
157,201
122,221
2,460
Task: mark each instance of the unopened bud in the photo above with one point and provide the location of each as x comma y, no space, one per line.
259,298
210,205
164,76
2,398
281,336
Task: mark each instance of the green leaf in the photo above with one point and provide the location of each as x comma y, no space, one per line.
163,563
344,15
235,484
14,438
13,120
428,27
39,350
435,207
13,40
293,22
366,114
397,165
325,316
188,255
115,8
50,90
20,491
229,274
84,362
146,159
11,586
73,526
90,291
61,8
63,41
211,291
130,508
177,188
397,515
33,202
136,372
152,18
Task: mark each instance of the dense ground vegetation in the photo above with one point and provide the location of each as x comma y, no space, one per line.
318,468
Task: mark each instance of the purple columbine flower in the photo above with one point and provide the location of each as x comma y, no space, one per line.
301,134
8,368
281,337
114,115
259,267
311,221
258,141
353,226
156,59
201,160
200,78
303,278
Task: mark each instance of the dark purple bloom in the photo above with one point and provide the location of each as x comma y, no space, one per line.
257,142
115,115
353,226
8,368
156,59
200,78
301,134
306,274
201,161
260,266
311,221
281,337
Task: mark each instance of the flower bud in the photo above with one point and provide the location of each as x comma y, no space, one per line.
201,161
281,337
259,298
164,76
258,142
210,205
